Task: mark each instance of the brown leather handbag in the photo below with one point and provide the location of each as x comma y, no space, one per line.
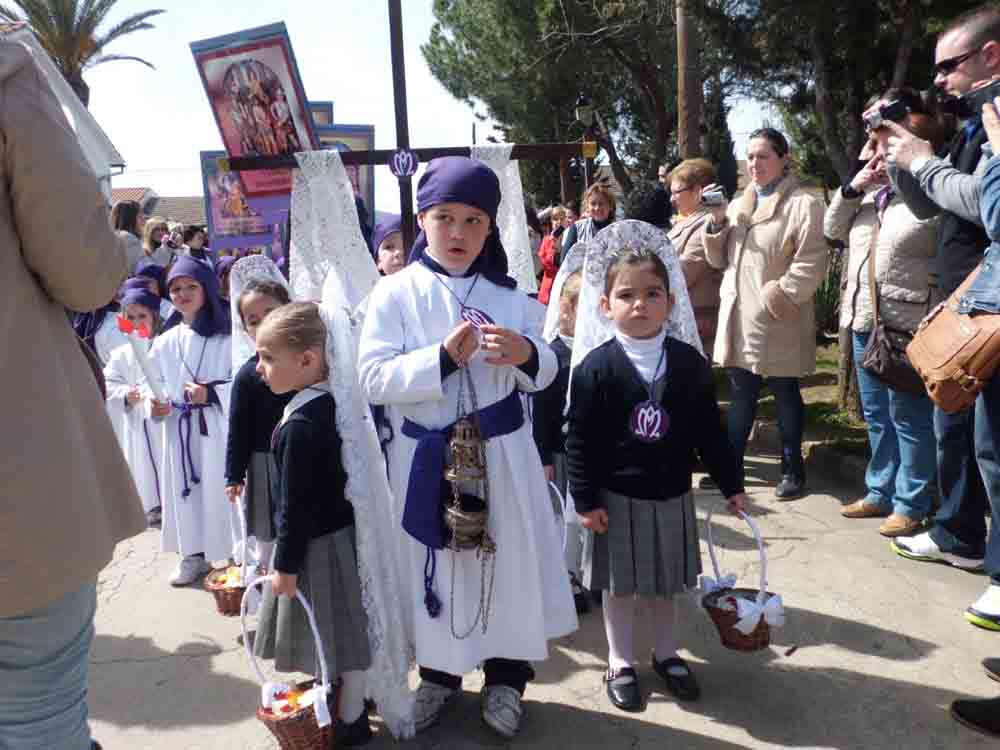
885,353
956,354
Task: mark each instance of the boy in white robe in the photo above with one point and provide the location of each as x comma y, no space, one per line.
450,317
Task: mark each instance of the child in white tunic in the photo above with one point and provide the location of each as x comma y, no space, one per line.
453,316
126,388
194,359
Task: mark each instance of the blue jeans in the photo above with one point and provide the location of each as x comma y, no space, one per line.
902,473
43,674
745,389
987,432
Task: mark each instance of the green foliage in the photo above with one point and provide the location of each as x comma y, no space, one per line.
719,140
828,297
69,30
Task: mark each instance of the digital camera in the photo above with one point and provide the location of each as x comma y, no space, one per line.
713,198
971,103
894,111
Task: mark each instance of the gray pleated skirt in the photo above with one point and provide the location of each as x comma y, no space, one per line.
650,548
260,509
329,581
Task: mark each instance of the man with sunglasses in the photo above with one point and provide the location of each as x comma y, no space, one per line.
968,56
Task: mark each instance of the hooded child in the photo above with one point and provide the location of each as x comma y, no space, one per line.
450,336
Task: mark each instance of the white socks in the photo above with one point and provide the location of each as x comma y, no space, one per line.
619,625
352,696
264,552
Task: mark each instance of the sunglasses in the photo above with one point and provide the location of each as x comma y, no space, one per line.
950,64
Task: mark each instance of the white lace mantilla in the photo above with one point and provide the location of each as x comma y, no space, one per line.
245,270
325,229
511,219
592,327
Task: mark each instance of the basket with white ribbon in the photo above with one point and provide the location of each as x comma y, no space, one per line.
744,617
299,715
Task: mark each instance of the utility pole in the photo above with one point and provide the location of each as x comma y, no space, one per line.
690,93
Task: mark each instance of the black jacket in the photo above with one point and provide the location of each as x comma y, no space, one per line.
602,453
254,412
547,407
308,486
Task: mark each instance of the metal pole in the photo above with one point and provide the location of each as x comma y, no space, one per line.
402,120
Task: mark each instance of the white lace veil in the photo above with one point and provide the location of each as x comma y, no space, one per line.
572,263
592,327
325,228
330,243
511,219
245,270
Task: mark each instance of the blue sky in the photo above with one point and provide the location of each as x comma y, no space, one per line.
160,119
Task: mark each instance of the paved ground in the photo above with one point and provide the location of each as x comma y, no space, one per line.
882,651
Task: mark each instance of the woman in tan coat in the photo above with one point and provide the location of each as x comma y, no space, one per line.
770,244
66,495
687,182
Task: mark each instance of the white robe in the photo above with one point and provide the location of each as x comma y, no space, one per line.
205,521
140,438
409,315
108,337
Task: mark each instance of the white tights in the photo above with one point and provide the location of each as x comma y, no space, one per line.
352,696
619,625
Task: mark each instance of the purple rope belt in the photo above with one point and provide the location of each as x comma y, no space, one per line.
152,462
187,411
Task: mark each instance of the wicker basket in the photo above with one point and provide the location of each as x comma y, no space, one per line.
227,598
299,729
725,618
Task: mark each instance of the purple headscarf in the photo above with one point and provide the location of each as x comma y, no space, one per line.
151,270
213,318
459,179
223,266
389,224
142,297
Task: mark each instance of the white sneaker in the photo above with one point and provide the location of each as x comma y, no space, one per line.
922,547
985,611
502,709
431,701
188,570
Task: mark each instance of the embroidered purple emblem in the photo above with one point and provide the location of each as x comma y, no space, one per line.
649,421
477,317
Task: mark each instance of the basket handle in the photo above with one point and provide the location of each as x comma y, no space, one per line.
762,593
565,510
319,701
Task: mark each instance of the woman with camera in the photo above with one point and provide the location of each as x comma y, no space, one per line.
878,227
687,183
770,244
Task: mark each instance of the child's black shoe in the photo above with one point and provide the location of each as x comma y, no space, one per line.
680,681
355,734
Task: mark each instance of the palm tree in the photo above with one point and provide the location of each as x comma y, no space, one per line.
67,29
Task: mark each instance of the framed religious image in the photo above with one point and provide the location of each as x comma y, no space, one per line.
232,221
256,94
354,138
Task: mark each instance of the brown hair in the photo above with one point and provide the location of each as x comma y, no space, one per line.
694,173
296,326
924,118
571,287
268,288
982,25
635,257
599,188
124,215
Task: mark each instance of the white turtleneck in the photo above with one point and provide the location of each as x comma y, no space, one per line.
645,354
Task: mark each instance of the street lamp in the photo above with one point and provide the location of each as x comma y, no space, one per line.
584,112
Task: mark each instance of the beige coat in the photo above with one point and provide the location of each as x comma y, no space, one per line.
702,280
904,261
774,256
66,494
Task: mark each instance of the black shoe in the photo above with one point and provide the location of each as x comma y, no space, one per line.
623,689
154,517
981,715
707,483
353,735
992,667
581,597
684,686
95,745
790,487
597,597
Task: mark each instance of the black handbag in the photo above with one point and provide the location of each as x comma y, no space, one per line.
885,353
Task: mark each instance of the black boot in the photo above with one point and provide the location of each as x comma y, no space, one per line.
793,479
980,715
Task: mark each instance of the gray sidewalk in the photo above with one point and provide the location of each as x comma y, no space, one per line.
882,650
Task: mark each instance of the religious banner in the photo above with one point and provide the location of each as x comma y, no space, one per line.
236,220
354,138
256,94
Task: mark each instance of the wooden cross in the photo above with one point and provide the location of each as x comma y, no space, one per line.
527,151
